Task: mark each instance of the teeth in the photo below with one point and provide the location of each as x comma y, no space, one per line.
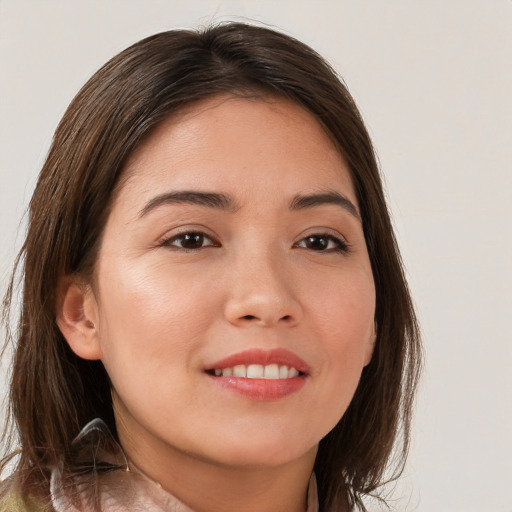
271,371
239,371
292,372
255,371
258,371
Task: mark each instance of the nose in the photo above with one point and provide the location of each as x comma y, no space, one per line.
262,294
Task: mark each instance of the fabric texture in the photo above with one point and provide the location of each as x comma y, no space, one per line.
101,479
11,500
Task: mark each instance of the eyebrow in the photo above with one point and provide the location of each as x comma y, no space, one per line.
301,202
209,199
224,202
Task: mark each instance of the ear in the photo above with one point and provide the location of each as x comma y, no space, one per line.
77,317
370,347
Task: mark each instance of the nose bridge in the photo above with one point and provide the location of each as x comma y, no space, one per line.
262,288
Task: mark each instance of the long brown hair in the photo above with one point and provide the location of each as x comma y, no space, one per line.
53,392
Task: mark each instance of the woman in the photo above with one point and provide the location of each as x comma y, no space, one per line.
212,291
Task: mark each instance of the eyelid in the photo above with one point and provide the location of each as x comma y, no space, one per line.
343,245
322,230
167,239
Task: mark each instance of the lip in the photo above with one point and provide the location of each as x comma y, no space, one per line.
261,389
279,356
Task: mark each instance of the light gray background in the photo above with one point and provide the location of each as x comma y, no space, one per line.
433,80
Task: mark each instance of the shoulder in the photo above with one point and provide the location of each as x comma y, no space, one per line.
12,500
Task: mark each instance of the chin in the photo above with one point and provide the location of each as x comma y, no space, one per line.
263,452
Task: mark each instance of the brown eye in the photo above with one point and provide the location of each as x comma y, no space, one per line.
191,241
323,243
316,243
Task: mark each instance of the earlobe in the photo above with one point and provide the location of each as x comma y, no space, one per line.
77,318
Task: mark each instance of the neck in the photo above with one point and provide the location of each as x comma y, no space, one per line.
205,486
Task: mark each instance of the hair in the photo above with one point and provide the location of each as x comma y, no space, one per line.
53,392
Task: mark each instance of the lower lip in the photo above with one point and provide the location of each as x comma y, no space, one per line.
261,389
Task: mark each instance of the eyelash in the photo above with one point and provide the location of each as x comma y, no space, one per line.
168,242
341,246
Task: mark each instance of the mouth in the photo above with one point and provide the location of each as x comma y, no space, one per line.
257,371
260,374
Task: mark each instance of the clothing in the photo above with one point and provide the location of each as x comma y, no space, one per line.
11,501
103,480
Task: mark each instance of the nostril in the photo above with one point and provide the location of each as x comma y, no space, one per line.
252,317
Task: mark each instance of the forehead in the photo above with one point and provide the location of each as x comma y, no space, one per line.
244,144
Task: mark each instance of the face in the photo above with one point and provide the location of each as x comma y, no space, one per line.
234,301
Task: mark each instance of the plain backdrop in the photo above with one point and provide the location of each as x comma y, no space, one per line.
433,80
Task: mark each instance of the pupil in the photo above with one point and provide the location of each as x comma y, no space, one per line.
317,242
192,241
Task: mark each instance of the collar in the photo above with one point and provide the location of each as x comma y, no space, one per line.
100,478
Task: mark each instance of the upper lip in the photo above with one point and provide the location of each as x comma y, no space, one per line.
280,356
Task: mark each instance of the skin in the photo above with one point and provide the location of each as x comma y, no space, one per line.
157,314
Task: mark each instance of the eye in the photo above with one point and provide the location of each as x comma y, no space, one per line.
323,243
191,240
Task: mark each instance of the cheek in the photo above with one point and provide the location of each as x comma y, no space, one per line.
344,305
344,312
152,314
151,322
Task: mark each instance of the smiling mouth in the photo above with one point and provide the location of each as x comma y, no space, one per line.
263,375
257,371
